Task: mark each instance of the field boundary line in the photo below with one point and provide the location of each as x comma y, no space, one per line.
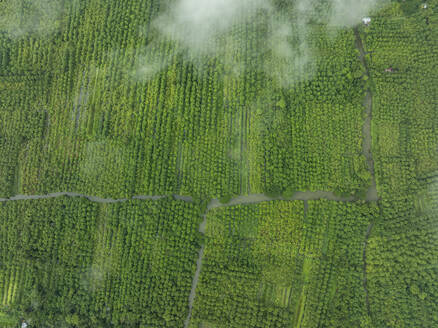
213,203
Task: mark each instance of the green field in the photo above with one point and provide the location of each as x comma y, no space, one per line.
272,265
71,262
90,124
403,248
219,164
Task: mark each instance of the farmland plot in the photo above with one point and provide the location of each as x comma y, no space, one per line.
69,261
114,108
273,265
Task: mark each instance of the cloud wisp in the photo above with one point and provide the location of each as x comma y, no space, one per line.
199,27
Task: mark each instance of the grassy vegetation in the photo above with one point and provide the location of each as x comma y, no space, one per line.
402,271
7,321
404,108
94,99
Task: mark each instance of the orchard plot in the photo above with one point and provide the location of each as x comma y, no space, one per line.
274,264
73,262
112,107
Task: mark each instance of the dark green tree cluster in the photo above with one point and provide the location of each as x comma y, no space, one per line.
69,262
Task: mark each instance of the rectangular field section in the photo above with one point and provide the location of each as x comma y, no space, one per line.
281,264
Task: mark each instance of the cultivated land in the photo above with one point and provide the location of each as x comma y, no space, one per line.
144,185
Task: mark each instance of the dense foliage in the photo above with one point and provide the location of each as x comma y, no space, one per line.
94,99
114,108
403,268
70,262
405,120
277,264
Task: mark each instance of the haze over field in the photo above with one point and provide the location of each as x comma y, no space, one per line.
198,24
245,163
197,21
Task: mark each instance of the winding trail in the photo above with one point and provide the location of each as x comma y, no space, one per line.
74,194
214,203
94,198
299,195
366,149
198,270
371,195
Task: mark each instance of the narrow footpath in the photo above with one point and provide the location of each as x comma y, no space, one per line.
197,272
366,148
240,199
75,194
371,195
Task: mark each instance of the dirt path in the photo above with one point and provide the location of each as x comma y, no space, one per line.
370,227
214,203
299,195
366,148
197,272
366,128
74,194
